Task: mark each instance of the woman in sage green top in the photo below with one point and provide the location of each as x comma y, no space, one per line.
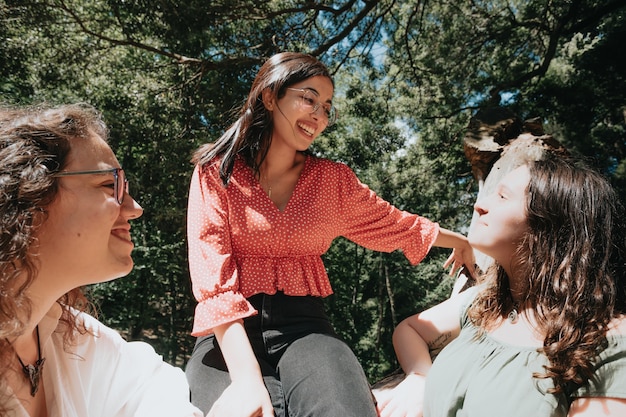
544,334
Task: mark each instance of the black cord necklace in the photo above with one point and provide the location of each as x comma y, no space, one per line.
33,372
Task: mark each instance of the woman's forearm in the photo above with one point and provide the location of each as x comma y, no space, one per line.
237,351
412,350
449,239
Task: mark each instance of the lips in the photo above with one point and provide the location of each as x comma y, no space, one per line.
123,234
307,129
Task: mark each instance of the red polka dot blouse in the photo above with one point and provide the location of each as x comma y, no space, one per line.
240,244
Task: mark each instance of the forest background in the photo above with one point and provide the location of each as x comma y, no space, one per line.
167,74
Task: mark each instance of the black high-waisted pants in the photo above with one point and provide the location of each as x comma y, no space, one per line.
307,369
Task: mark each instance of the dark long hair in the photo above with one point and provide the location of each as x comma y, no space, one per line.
34,145
250,136
574,258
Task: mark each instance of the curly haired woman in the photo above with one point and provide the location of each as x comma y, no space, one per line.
65,218
544,333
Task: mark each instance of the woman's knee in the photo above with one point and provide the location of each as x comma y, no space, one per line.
321,375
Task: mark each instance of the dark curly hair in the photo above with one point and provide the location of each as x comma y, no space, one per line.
574,257
34,145
251,134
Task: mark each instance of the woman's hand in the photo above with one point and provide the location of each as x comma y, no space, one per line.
461,256
249,399
462,252
404,400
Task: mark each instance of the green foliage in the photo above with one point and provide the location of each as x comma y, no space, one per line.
167,75
584,95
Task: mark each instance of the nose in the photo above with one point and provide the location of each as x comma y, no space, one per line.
479,207
319,113
131,208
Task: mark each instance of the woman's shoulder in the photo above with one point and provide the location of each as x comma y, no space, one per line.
211,167
90,325
97,339
211,172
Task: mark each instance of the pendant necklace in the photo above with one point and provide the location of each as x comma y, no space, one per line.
33,372
269,187
513,314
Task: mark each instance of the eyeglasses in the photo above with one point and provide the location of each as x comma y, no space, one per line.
119,178
309,101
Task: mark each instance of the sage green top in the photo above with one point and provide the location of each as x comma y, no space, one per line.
483,377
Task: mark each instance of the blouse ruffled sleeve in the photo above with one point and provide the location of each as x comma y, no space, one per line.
375,224
212,267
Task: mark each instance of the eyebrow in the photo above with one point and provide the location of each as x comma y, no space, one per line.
502,188
329,101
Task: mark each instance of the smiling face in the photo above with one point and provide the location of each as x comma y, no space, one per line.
502,220
85,238
295,125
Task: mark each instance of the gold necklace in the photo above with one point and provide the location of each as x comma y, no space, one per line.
268,185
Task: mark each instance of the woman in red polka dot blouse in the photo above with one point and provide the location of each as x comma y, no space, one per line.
262,211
